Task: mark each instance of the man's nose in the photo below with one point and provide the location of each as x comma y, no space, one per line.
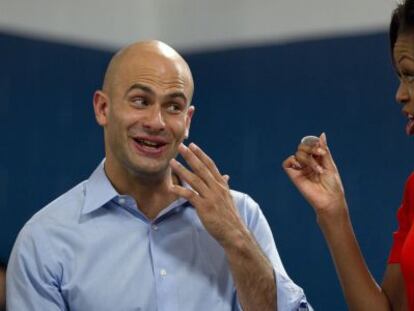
154,119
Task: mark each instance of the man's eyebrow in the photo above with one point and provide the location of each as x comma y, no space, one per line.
142,87
149,90
178,94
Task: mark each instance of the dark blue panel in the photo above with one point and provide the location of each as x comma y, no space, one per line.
252,107
255,104
49,138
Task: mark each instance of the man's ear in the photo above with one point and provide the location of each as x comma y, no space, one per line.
101,107
190,113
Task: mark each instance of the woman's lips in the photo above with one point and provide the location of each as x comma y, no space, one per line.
409,129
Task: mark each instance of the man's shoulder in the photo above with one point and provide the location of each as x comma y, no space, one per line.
245,204
50,226
243,198
251,213
64,208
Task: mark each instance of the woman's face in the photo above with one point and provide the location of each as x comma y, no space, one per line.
404,65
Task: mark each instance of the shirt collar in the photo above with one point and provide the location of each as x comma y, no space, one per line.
98,190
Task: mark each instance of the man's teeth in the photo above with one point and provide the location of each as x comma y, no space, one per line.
148,143
410,117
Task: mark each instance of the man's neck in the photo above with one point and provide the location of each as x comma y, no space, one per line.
151,193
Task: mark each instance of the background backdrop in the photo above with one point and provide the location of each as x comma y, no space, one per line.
266,72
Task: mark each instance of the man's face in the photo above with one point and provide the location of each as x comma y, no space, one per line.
148,114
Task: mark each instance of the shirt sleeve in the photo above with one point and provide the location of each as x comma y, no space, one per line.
32,282
405,215
290,297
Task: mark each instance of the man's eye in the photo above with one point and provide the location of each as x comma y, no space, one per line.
139,102
409,78
174,107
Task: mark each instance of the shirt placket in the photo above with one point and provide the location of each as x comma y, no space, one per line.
163,269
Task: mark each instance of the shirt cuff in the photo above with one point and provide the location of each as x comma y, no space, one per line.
290,297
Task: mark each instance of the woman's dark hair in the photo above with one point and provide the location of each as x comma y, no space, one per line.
402,21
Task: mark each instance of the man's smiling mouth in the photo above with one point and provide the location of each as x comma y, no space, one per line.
149,143
151,147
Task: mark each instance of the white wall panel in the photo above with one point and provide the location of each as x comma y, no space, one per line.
191,24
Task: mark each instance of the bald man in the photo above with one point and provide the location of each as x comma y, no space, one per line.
144,232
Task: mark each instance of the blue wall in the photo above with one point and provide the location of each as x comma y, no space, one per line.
252,107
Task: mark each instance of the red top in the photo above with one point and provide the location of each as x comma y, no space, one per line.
402,251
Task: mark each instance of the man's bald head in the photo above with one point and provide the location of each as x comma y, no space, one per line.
144,51
145,110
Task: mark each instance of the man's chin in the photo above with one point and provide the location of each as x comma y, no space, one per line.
152,170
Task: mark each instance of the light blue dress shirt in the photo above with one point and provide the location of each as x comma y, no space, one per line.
93,250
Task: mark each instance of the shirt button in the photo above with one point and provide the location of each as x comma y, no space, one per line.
121,201
154,227
163,272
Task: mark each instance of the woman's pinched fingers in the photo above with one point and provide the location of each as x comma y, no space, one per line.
291,162
306,158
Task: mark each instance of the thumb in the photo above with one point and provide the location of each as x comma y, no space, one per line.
226,178
327,160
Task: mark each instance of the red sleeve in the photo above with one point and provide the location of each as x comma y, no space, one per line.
405,216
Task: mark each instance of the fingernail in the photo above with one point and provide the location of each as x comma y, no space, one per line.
193,146
323,136
297,166
320,151
175,162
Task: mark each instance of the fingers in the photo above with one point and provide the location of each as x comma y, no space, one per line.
192,179
204,174
195,163
309,156
327,160
292,168
226,178
313,152
206,160
291,163
201,164
188,194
